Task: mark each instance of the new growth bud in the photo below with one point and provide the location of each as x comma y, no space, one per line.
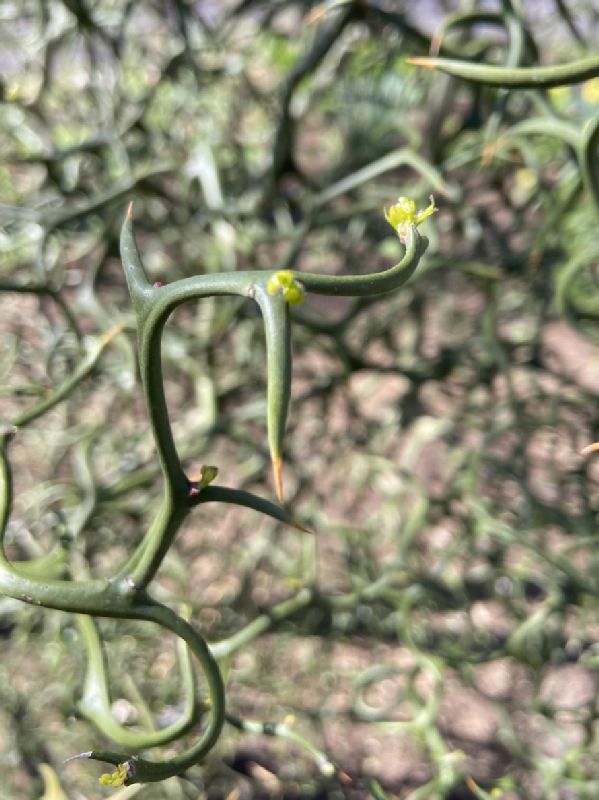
207,475
403,214
284,282
116,778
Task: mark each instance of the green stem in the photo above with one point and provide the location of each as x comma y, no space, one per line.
105,598
514,77
388,162
141,770
261,624
376,282
277,329
589,164
67,386
141,568
283,730
95,703
545,126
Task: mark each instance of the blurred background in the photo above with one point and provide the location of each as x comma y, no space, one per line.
435,435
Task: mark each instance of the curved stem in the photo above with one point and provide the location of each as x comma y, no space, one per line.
589,165
67,386
141,568
284,730
239,497
393,160
95,703
124,595
545,126
112,599
376,282
141,770
514,77
93,596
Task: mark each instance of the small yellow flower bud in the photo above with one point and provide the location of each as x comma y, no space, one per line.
117,778
292,290
590,91
294,295
403,214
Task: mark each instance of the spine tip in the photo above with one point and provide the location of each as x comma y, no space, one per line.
421,61
277,469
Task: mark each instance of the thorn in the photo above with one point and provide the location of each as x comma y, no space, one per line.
109,335
436,44
488,153
299,527
130,210
315,15
277,469
78,756
590,448
421,61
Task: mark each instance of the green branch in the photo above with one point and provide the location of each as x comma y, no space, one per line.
514,77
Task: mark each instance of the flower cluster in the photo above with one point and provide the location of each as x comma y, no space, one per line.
284,282
403,214
117,778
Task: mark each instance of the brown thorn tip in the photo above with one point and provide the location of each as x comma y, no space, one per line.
421,61
436,44
130,210
114,331
277,469
301,528
315,15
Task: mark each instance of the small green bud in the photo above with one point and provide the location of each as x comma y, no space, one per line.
207,475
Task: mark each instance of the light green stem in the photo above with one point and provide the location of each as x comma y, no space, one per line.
514,77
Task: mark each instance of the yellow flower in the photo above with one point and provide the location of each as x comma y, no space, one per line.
526,178
590,91
283,281
117,778
403,214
